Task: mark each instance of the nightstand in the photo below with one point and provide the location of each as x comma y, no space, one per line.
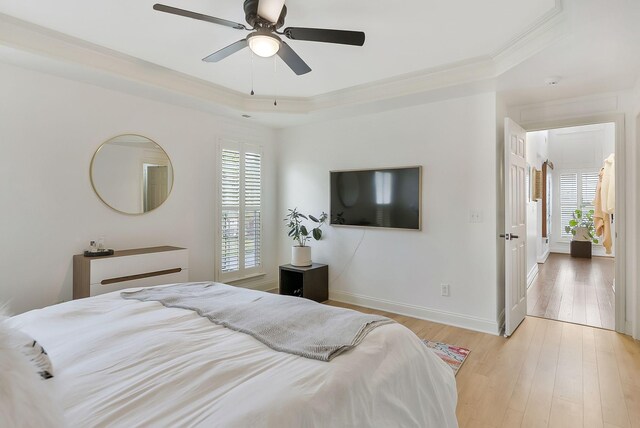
310,282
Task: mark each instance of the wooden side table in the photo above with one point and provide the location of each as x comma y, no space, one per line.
311,282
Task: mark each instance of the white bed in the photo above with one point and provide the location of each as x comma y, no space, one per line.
129,363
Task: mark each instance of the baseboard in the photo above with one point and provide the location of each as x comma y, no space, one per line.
532,275
262,287
258,285
597,251
543,258
457,320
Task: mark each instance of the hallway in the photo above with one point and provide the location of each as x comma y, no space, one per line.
574,290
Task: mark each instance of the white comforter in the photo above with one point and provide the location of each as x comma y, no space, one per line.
128,363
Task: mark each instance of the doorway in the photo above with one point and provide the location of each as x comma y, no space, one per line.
571,224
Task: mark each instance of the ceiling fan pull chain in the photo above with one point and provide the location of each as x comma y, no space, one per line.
275,80
252,93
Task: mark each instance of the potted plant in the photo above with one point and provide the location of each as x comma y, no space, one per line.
301,253
583,231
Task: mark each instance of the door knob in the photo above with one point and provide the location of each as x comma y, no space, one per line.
508,236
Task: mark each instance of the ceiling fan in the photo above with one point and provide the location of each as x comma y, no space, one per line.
266,17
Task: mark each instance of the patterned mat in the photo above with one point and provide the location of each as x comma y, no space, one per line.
452,355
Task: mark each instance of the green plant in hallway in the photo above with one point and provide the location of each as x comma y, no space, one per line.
581,227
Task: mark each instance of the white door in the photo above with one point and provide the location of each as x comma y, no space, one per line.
515,223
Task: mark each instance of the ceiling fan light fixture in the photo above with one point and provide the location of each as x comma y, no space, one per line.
263,44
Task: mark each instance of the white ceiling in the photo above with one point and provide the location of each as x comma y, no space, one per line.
600,53
448,49
402,37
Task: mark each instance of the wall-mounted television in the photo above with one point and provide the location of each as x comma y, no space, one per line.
384,197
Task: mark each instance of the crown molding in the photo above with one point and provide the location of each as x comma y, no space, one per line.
595,105
41,41
37,40
547,30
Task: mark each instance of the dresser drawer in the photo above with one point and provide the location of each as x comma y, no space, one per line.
172,278
118,267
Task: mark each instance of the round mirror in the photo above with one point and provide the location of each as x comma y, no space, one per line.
131,174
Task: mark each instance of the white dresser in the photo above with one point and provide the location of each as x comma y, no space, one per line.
141,267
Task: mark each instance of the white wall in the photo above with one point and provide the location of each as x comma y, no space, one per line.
455,142
49,130
537,246
575,149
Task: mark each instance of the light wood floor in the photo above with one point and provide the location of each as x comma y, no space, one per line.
548,374
574,290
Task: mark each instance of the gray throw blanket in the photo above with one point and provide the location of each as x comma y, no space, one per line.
284,323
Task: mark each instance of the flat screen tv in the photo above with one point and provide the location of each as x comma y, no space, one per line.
386,197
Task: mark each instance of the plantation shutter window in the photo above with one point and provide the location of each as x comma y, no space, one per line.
240,213
577,191
252,204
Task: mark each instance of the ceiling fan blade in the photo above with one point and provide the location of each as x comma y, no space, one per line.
343,37
198,16
292,59
225,52
270,10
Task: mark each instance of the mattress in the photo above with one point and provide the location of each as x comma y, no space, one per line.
129,363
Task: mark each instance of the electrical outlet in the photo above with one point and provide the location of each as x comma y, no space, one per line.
444,290
475,216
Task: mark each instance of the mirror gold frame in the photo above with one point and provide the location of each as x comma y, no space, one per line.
140,182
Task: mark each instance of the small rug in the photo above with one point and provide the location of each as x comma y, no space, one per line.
452,355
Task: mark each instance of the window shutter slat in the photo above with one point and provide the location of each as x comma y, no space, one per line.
252,244
230,219
230,251
252,203
252,179
568,201
230,177
589,185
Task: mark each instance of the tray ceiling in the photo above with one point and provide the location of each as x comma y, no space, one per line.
402,37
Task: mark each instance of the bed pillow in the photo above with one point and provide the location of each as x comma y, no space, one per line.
26,398
33,352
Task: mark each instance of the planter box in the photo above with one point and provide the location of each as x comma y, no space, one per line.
581,249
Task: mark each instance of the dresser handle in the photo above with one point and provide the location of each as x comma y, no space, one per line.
140,276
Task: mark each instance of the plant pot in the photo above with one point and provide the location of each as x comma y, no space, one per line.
582,234
581,249
300,256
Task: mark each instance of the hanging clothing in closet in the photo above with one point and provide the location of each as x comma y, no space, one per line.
602,219
608,191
